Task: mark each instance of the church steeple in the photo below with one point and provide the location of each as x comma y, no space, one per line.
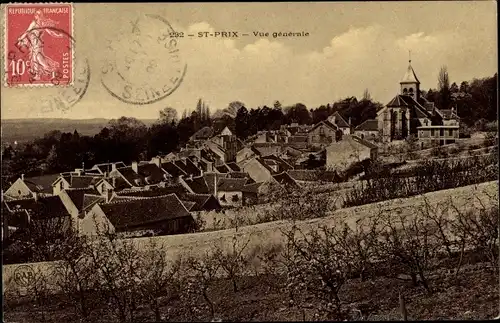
410,85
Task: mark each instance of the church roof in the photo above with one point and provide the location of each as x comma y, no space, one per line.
410,76
397,101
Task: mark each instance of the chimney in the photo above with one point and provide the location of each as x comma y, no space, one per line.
35,196
349,121
22,177
135,167
113,166
113,182
215,185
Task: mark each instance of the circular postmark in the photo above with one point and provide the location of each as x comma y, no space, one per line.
24,276
61,96
144,63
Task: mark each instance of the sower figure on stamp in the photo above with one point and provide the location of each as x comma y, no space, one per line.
39,63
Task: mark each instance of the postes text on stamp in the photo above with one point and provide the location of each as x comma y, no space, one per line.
38,49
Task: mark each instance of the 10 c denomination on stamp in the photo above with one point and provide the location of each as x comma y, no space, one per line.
38,48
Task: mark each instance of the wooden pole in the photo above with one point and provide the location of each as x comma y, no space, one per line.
402,307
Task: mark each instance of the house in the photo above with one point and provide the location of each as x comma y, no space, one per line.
51,215
340,122
230,191
105,168
367,130
324,133
245,153
268,148
257,169
410,114
137,217
74,181
27,187
342,154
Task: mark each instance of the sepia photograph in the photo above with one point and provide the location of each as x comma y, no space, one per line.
224,162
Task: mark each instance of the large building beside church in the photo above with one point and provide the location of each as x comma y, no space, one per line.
410,113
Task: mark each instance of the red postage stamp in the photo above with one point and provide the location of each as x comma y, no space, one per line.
39,44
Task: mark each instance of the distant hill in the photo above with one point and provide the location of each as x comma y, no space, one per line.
23,130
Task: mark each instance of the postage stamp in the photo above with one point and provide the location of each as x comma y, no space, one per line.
143,67
38,49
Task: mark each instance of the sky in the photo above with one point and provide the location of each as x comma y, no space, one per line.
351,47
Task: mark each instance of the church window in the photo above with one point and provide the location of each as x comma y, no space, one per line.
411,91
405,90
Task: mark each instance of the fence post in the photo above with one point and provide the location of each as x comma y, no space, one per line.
402,307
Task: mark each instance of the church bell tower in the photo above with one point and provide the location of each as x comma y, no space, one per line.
410,85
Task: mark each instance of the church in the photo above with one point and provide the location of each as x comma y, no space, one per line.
410,113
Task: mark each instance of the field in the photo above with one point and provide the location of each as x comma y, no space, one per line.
23,130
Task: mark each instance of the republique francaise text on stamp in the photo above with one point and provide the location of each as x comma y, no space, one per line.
38,49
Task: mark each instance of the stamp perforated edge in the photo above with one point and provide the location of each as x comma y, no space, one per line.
4,46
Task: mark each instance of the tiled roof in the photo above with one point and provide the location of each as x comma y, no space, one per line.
324,122
130,176
234,167
201,201
285,178
223,168
77,196
45,208
89,200
197,184
172,169
177,189
131,213
152,174
41,184
231,184
210,179
340,121
189,205
368,125
83,181
18,219
397,101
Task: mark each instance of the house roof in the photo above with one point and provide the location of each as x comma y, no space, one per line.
157,191
41,184
173,169
368,125
77,196
233,167
210,179
252,187
223,168
326,123
231,184
83,181
151,173
200,201
130,176
197,184
340,121
191,167
46,207
189,205
131,213
410,76
89,200
285,178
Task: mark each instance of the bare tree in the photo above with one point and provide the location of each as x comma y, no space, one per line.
234,261
160,279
